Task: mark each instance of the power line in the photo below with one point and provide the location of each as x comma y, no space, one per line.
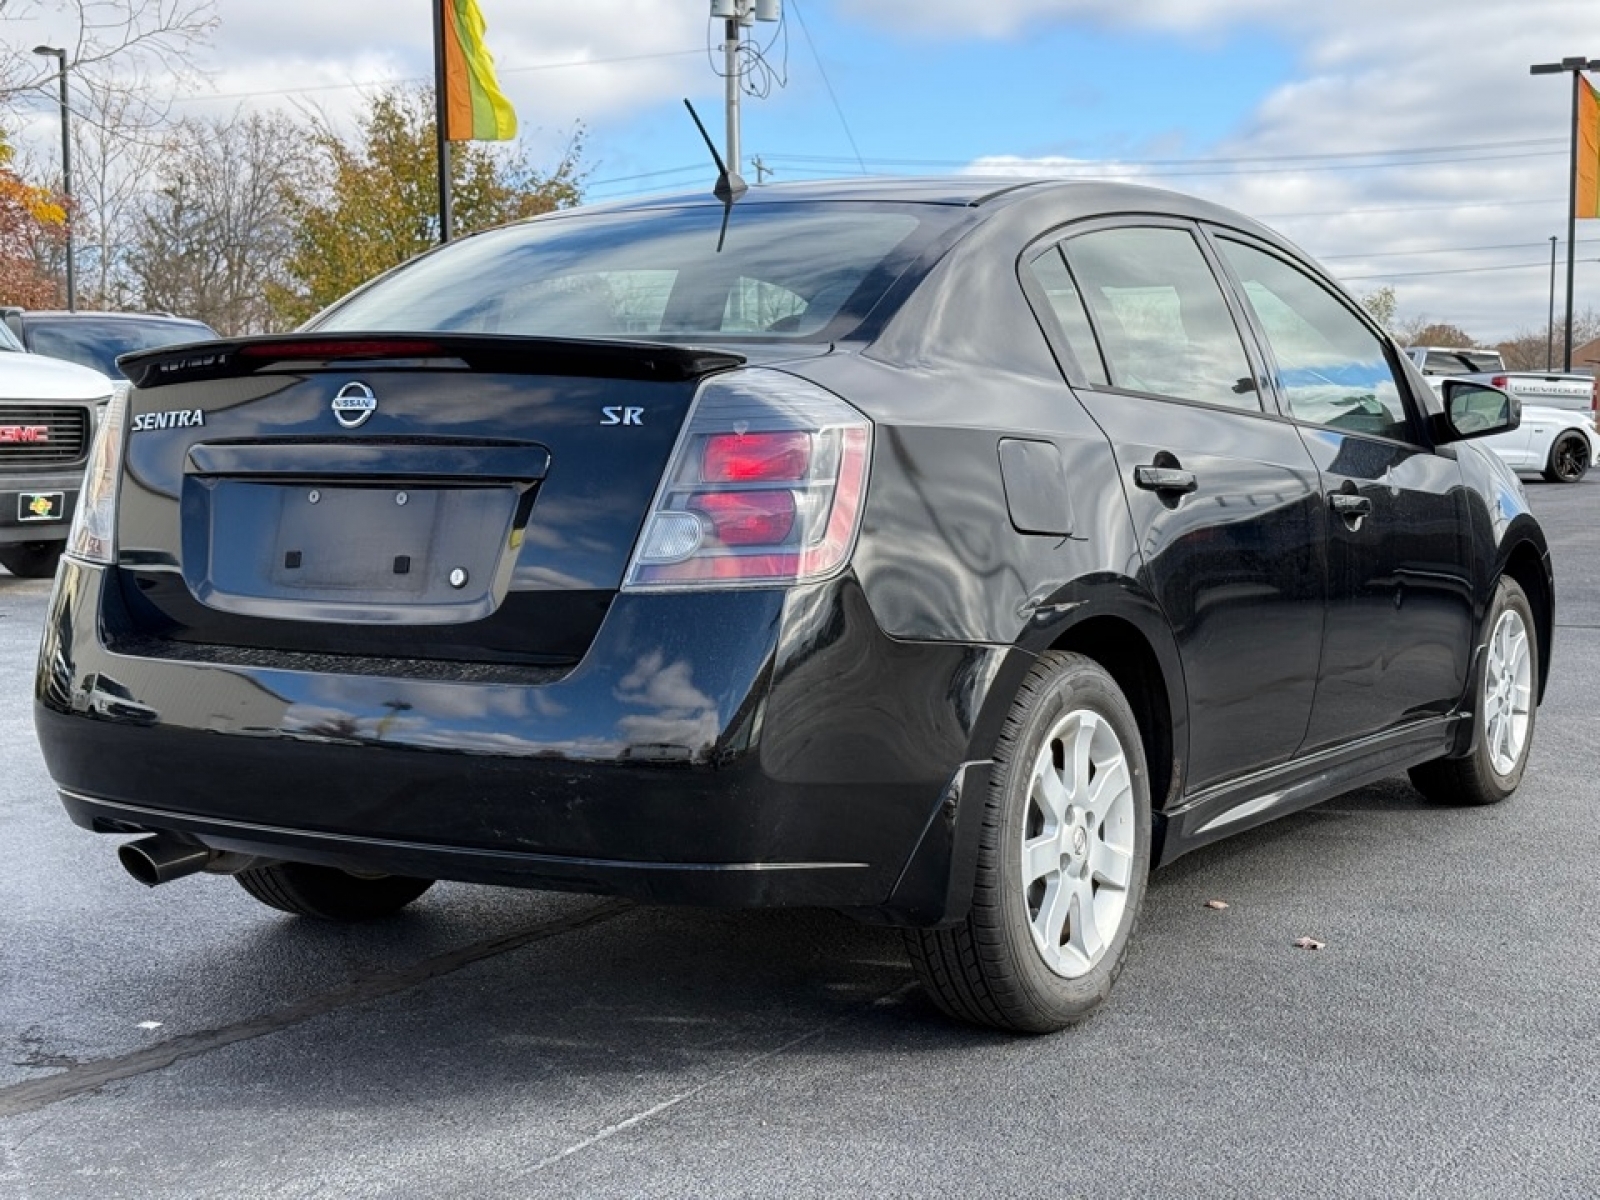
372,83
1518,143
1134,170
1394,208
1451,250
827,83
1545,265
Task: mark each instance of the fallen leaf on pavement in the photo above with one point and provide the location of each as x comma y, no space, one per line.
1217,904
1308,943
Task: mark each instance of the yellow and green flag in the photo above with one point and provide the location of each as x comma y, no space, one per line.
476,110
1587,200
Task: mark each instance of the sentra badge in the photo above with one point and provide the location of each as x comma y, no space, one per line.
173,418
354,404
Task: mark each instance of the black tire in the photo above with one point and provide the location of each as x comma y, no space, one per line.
1505,706
329,894
992,969
32,560
1569,458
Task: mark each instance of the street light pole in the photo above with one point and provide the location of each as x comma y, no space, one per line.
66,169
1550,322
1576,67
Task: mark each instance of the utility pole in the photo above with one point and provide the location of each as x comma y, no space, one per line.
761,170
736,16
1576,67
1550,325
60,55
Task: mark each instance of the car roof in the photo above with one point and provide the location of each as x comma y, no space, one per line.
1067,199
969,191
62,313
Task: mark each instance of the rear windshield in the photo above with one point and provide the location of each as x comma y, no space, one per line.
1461,362
96,342
783,271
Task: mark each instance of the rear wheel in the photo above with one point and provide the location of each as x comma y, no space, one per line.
32,560
1062,861
328,893
1569,458
1505,710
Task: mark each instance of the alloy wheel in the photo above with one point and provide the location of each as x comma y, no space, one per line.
1571,458
1507,692
1077,847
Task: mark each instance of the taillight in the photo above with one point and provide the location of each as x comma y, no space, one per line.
93,536
1499,381
765,486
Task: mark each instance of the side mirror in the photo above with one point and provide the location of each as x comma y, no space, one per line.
1473,410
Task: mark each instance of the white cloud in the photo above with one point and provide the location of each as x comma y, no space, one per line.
1374,77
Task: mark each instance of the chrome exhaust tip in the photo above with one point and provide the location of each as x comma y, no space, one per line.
161,859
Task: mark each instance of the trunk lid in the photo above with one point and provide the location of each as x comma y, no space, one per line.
427,497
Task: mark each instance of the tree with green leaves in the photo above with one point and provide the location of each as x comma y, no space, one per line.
372,201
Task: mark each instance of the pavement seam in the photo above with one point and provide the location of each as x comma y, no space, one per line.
639,1118
88,1077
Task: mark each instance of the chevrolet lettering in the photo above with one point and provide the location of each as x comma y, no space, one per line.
172,418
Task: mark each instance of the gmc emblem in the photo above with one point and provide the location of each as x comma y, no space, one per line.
11,435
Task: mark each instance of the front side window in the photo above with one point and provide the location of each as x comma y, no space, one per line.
1163,323
1332,369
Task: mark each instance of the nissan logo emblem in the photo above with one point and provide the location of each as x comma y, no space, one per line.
354,404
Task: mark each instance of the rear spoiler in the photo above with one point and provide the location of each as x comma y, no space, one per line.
299,352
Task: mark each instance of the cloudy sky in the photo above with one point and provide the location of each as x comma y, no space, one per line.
1403,142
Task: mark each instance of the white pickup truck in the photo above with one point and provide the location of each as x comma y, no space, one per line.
1557,437
1572,392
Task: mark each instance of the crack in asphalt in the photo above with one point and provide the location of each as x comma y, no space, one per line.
738,1068
93,1075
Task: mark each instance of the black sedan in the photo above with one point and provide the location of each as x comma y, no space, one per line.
948,553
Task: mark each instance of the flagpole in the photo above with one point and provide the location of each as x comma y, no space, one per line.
1572,223
441,104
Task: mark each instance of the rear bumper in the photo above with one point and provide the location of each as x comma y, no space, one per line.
737,748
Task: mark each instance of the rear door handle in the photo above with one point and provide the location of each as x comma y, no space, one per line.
1349,505
1164,479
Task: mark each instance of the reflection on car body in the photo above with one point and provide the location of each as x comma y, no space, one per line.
971,548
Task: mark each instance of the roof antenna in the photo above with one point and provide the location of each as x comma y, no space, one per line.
729,186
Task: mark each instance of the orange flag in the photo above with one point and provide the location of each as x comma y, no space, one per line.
1588,195
476,108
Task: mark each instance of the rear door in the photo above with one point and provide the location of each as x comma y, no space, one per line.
1223,495
1400,581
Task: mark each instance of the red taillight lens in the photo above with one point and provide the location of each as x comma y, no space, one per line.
747,518
765,487
1498,381
756,457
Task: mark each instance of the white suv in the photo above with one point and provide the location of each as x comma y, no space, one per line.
48,411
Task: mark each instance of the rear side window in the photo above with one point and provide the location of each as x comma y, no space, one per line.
781,270
1163,323
1332,369
1050,270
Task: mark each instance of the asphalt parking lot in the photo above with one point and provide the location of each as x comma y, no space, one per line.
187,1042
